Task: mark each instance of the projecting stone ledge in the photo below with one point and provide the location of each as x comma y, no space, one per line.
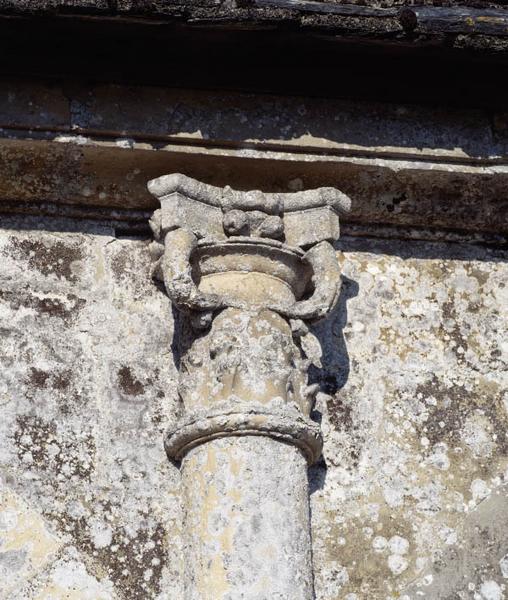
249,269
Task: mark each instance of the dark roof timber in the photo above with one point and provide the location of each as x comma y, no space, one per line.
459,22
386,50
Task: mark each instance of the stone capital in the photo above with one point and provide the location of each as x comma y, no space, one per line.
218,248
250,269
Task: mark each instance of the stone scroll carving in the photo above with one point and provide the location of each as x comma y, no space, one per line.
251,270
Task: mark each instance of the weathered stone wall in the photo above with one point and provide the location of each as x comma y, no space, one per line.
87,388
409,499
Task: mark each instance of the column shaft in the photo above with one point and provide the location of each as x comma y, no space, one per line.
247,531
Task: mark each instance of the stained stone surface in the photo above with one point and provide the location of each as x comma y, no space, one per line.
416,440
409,500
87,388
247,508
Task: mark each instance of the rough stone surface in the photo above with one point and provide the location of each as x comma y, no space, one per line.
409,500
86,391
414,424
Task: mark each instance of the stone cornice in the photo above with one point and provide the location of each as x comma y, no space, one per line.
78,150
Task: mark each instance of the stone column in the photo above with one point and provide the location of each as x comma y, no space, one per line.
250,270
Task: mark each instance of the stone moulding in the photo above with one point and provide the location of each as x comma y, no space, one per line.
251,420
250,270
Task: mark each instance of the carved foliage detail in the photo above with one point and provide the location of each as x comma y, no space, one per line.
247,356
249,268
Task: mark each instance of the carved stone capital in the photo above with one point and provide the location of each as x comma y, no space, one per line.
218,247
249,268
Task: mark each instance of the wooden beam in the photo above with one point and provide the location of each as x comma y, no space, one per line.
308,6
428,19
433,19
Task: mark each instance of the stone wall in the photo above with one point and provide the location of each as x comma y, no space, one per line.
409,499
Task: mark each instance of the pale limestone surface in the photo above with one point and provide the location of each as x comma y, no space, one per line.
86,394
247,520
410,498
416,440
